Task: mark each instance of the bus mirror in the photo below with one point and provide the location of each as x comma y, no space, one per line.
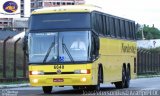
25,43
93,57
98,44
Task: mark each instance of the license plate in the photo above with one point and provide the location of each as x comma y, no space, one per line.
58,80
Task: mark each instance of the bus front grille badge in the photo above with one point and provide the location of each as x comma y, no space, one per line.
58,71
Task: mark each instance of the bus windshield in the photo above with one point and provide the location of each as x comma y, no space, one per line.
59,47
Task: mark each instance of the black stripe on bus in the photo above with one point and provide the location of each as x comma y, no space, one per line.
51,73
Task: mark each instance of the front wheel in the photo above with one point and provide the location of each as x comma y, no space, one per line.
47,89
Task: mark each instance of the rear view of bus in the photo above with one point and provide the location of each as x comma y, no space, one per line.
63,50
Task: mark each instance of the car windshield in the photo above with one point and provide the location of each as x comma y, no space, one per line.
59,47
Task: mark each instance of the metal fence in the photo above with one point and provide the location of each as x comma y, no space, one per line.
12,60
148,62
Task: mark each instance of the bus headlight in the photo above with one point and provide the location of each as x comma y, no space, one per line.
86,71
83,79
35,80
36,73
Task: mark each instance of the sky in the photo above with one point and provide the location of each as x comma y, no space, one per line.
141,11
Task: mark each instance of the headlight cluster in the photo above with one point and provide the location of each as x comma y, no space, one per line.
86,71
36,73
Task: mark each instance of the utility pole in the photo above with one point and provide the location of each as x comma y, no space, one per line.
143,33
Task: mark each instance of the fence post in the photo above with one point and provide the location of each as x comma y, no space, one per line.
4,56
158,63
148,60
154,64
150,63
24,64
15,57
140,61
140,65
137,61
156,67
143,61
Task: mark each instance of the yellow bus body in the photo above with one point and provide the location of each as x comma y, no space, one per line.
113,54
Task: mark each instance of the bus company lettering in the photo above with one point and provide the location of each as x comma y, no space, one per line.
128,48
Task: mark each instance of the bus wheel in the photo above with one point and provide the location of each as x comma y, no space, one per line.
121,84
47,89
128,77
76,87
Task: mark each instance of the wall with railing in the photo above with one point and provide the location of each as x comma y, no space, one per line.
148,62
12,60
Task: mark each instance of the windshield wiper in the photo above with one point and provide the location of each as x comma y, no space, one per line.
49,50
67,51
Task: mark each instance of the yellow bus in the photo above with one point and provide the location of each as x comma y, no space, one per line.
80,46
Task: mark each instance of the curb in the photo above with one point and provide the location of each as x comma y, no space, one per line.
14,85
149,76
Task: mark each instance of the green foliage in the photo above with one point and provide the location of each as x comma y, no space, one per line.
149,33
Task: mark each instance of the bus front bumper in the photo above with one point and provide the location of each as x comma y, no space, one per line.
61,80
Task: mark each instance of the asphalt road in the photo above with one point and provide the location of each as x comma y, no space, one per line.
138,87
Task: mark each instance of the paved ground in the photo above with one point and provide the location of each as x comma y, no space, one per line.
138,87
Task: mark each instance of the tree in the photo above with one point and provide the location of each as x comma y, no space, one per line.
149,33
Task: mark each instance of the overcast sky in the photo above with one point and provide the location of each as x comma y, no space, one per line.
141,11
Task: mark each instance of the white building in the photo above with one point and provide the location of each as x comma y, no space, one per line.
26,6
148,43
36,4
24,11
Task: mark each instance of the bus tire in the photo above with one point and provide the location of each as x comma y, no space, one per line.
47,89
128,77
121,84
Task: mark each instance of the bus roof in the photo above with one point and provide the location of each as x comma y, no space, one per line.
72,9
69,8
